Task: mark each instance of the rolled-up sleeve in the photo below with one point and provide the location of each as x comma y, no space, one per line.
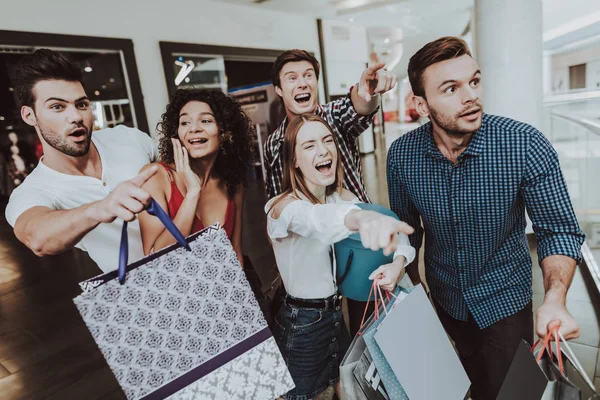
548,203
348,121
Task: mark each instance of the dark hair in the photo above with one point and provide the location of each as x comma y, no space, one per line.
42,65
288,56
235,131
442,49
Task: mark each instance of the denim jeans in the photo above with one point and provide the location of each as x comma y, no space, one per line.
313,342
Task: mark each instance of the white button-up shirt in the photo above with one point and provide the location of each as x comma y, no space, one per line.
302,237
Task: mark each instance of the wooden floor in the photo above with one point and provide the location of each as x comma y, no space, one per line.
46,352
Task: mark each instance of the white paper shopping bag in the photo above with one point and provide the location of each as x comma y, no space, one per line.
419,351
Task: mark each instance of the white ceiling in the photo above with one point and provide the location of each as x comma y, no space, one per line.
317,8
412,15
564,21
560,12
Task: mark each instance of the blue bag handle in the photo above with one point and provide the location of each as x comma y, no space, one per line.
156,210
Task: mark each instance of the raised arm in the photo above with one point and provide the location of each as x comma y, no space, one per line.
373,81
154,234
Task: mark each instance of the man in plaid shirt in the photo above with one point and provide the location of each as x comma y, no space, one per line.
295,75
465,179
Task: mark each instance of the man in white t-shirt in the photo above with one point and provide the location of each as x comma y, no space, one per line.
86,184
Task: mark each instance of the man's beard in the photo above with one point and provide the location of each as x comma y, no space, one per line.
451,125
63,144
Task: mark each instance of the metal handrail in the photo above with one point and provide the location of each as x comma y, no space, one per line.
586,252
572,96
590,262
587,123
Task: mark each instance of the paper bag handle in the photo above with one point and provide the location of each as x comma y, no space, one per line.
156,210
576,362
374,290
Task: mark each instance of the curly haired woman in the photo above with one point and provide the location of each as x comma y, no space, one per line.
204,147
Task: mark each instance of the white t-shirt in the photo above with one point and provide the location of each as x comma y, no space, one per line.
123,152
302,237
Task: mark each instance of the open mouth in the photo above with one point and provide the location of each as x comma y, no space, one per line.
324,167
471,113
302,98
199,141
79,133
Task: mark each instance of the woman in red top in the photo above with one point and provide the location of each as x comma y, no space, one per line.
204,145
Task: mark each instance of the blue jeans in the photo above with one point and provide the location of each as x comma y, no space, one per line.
313,342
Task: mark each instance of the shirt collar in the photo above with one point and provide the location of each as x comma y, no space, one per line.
475,147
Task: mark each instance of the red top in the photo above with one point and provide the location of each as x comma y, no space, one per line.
177,198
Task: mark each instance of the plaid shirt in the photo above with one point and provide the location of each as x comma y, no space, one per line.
347,125
476,253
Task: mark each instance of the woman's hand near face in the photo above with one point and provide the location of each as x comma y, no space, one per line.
193,184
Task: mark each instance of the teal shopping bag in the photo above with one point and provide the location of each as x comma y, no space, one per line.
355,263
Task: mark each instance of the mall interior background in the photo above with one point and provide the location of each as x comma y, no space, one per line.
540,63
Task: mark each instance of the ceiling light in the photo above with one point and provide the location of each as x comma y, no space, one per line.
88,69
97,93
187,80
112,80
1,118
387,40
103,86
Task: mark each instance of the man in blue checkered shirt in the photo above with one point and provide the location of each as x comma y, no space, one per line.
465,179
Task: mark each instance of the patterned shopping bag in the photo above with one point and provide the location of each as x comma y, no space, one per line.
183,323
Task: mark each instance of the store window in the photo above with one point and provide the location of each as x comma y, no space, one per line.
195,71
110,79
243,73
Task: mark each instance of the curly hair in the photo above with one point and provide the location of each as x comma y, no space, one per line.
235,132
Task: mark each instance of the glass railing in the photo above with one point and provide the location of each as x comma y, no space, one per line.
572,124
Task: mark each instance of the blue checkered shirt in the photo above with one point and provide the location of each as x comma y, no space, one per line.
477,259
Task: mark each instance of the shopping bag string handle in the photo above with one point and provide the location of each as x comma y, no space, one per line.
546,346
156,210
571,357
375,289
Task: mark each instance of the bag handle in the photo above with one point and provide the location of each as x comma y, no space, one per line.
156,210
571,357
347,270
547,347
374,290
